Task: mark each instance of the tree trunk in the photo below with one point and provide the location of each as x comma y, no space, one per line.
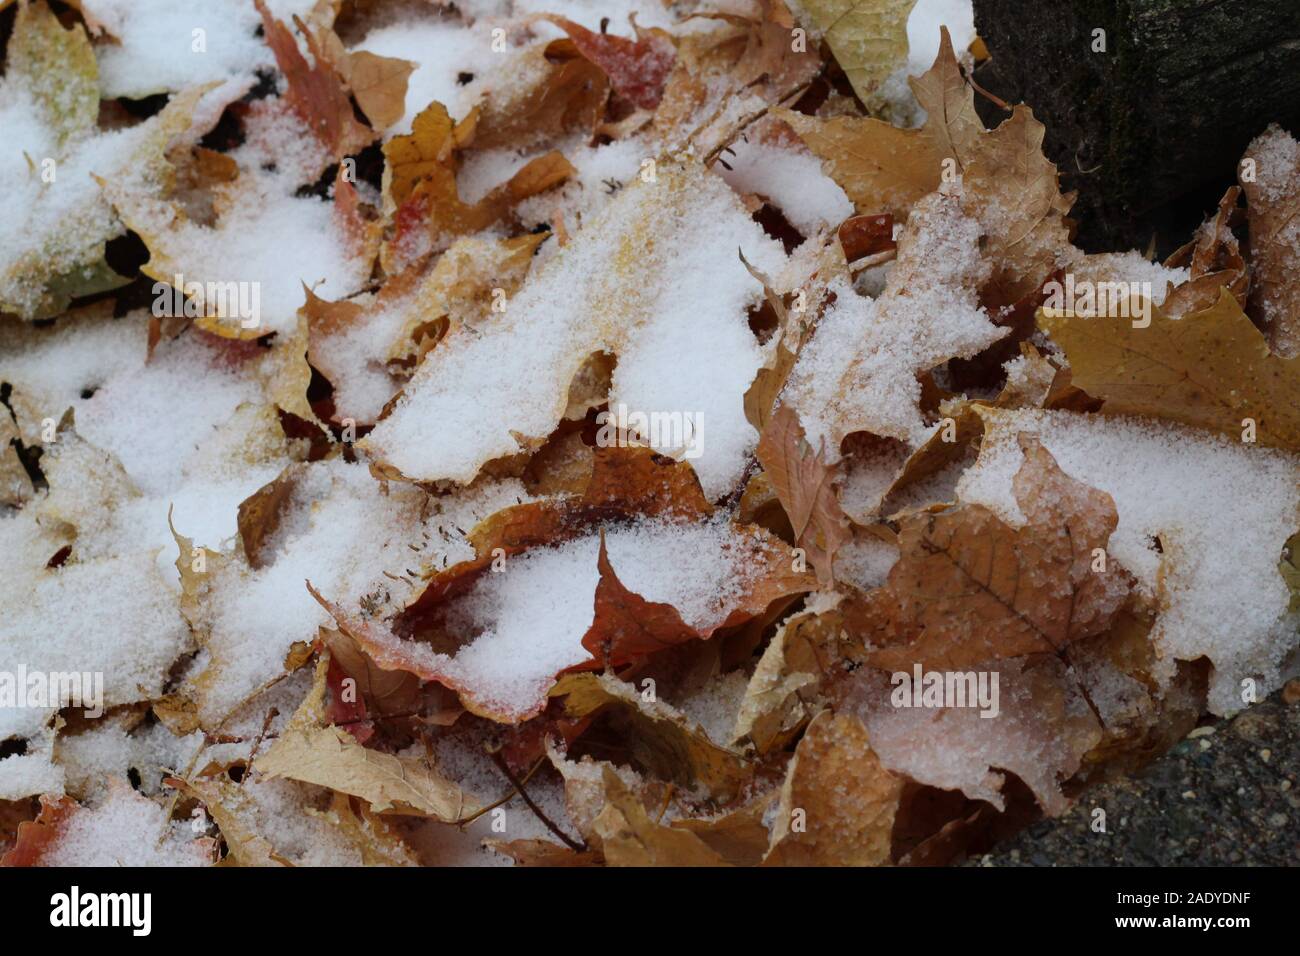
1150,130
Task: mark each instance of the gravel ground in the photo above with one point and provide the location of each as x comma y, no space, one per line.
1227,795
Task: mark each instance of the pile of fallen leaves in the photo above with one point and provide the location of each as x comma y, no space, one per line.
336,340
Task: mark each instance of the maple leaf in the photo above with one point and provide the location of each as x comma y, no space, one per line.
952,125
1013,190
561,93
59,215
868,38
312,751
1211,368
1007,182
968,588
626,626
207,254
1044,728
883,168
634,296
769,52
805,485
626,484
421,195
880,167
379,84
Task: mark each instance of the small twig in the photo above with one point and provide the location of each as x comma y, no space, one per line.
537,811
790,96
997,101
252,754
510,795
866,262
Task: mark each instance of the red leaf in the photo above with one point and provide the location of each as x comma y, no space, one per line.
637,69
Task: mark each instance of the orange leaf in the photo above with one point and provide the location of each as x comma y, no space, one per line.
804,483
35,836
315,91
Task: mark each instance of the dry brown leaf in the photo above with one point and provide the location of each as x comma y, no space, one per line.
327,756
771,54
543,853
739,836
1213,259
36,836
1008,184
630,838
379,84
968,588
1013,190
882,169
805,485
1211,368
952,126
659,737
637,69
784,691
838,803
421,196
561,92
378,843
1273,206
232,810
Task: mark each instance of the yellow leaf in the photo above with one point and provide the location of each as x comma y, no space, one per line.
1211,368
330,757
868,38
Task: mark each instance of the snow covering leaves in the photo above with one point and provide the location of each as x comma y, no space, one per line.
58,223
589,420
653,280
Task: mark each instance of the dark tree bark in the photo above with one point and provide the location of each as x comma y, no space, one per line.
1149,131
